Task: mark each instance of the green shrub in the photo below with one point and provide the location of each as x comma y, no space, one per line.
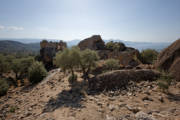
3,87
164,81
149,56
12,109
115,46
36,72
111,64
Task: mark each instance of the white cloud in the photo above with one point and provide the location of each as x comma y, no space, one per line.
15,28
2,27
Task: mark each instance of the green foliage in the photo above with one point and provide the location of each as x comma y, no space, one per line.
3,86
4,65
111,64
72,79
12,109
88,60
68,59
148,56
36,72
20,67
73,58
164,81
115,46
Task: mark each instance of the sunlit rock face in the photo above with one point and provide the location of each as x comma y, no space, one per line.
169,59
94,43
48,51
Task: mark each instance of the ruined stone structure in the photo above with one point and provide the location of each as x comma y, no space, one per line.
48,51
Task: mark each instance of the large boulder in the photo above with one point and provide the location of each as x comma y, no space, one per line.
175,69
94,43
48,51
121,78
168,59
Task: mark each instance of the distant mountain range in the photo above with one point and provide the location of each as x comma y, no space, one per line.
33,45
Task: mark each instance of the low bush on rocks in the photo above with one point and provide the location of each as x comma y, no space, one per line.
165,81
111,64
148,56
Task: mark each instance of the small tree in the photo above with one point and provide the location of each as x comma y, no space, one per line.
87,61
20,67
111,64
148,56
16,67
36,72
4,66
68,59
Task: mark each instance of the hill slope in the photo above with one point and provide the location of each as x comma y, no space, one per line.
52,99
8,46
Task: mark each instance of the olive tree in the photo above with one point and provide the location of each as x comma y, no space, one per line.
68,59
4,66
72,58
20,67
88,60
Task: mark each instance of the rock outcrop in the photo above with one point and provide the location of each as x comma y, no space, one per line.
94,43
121,78
48,51
117,50
169,58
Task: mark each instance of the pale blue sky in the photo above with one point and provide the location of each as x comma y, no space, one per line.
131,20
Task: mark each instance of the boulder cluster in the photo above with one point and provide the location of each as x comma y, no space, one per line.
125,55
168,60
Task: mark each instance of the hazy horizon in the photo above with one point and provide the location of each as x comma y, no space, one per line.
129,20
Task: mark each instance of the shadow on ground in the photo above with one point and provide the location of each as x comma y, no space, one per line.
173,97
67,98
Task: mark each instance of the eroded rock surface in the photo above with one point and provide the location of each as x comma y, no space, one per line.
121,78
168,59
48,51
94,43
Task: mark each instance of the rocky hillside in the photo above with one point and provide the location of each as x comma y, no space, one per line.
132,92
53,99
